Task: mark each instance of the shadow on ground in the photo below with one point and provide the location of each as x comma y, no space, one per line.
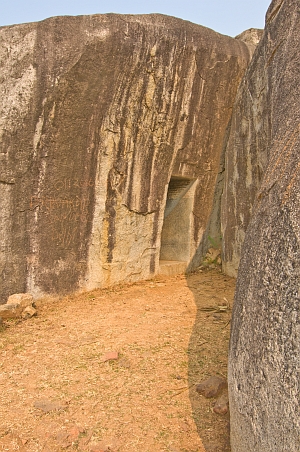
208,351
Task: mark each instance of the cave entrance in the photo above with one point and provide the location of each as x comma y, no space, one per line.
176,230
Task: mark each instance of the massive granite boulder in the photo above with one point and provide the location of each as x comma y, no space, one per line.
264,371
104,121
251,37
246,155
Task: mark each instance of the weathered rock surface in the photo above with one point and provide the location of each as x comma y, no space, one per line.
97,114
22,299
245,158
28,312
264,371
222,405
10,311
251,37
18,305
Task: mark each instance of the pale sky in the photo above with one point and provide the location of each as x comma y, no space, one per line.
229,17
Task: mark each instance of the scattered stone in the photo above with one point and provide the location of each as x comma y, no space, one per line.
29,312
97,448
74,432
10,311
62,437
21,299
18,305
222,405
212,254
67,438
46,405
124,362
110,356
211,387
212,259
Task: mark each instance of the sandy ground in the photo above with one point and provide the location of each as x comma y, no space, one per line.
59,390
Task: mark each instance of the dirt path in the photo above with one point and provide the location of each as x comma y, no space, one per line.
58,393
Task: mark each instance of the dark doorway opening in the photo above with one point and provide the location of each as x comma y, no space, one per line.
176,230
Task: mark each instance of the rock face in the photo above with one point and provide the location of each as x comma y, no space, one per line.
251,37
264,371
100,115
246,158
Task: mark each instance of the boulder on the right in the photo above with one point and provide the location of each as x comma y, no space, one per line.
262,194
